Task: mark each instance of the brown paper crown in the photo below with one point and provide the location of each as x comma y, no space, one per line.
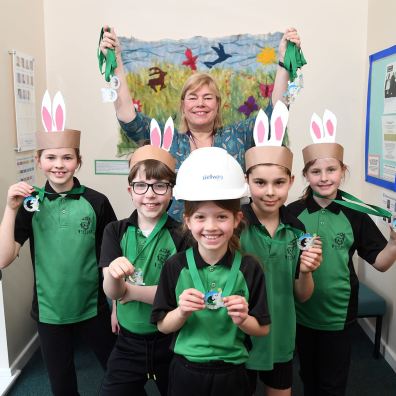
277,155
323,150
155,153
68,138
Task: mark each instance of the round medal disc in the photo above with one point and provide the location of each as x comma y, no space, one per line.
115,82
305,241
213,299
31,204
108,95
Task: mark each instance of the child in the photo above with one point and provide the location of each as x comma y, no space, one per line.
64,223
211,330
136,249
324,321
272,235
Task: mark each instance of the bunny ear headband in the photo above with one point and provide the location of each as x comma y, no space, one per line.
55,135
270,150
155,150
323,135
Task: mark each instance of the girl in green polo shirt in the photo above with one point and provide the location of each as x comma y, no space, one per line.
272,235
211,296
64,222
324,321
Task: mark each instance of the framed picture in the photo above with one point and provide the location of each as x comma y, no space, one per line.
380,150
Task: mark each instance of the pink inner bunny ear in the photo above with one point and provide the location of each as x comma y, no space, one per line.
47,119
155,137
59,118
167,138
261,131
278,128
316,129
330,127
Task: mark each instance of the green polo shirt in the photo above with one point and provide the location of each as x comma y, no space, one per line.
210,335
125,239
343,232
279,257
65,237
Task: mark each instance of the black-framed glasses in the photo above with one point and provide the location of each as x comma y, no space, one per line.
159,188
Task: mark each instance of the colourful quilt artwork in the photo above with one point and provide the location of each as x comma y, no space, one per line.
244,66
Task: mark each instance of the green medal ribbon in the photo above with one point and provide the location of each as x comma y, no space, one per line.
198,281
40,192
109,59
158,227
356,204
294,59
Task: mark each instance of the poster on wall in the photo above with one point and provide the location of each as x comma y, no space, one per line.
243,65
26,169
24,96
380,152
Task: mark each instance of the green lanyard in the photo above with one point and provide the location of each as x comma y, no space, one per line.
372,209
41,192
158,227
294,59
236,263
109,59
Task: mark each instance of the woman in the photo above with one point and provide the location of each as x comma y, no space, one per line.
200,109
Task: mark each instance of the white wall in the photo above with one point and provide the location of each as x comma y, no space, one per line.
22,27
381,35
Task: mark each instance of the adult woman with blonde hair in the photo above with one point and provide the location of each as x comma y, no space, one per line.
200,110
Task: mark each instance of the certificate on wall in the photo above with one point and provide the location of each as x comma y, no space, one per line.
24,96
381,120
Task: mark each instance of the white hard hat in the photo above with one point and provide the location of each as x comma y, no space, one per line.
210,174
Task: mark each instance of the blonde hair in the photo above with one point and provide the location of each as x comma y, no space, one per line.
193,83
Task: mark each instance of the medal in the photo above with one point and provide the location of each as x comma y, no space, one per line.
213,299
136,278
306,241
115,82
31,204
109,95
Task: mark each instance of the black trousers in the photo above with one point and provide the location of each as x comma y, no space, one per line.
207,379
57,347
325,358
135,359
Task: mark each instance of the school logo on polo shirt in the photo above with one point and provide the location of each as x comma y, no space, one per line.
162,256
85,226
291,250
339,240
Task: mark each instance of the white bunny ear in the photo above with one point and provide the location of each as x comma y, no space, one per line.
46,117
59,112
279,118
168,134
316,128
330,126
155,133
261,129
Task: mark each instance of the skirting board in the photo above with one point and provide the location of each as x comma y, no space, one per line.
8,376
389,355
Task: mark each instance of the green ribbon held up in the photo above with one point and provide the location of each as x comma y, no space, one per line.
40,192
294,59
110,59
357,205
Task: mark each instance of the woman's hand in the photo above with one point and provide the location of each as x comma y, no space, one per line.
292,35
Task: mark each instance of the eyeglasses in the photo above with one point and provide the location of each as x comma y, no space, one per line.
159,188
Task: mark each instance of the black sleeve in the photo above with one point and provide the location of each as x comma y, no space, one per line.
23,226
165,298
255,280
111,248
370,241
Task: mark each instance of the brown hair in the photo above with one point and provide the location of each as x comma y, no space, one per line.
286,170
39,153
193,83
232,205
308,190
153,169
